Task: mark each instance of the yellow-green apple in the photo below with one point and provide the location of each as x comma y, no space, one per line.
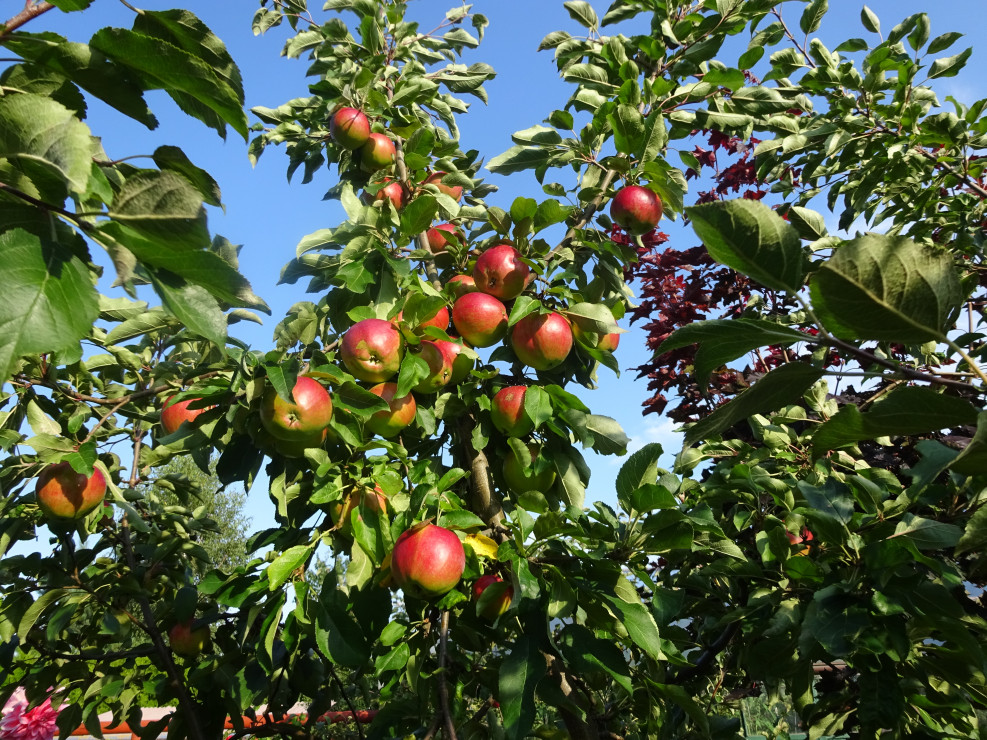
173,414
186,641
453,191
519,481
427,561
460,285
636,209
480,319
377,153
399,414
500,272
507,412
542,341
349,128
63,493
299,420
341,512
372,350
497,600
439,367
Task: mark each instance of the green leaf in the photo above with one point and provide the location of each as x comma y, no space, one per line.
49,300
882,701
285,564
592,317
927,534
517,159
870,20
832,499
974,537
112,83
640,624
193,306
162,205
185,77
812,16
640,468
608,436
46,141
585,652
418,214
949,66
941,43
68,6
582,12
723,340
174,159
573,474
34,611
537,405
339,636
887,288
523,306
520,673
904,412
973,459
628,129
809,224
780,387
751,238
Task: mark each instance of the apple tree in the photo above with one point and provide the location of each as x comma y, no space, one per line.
415,419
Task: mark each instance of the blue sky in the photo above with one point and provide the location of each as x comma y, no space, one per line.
269,217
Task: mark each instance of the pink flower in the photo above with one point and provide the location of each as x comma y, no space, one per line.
21,723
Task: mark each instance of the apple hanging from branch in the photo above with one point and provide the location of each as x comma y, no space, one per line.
63,493
427,561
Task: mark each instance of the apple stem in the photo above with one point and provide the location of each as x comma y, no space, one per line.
449,725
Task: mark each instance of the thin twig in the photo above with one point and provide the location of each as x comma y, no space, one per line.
342,689
31,11
449,726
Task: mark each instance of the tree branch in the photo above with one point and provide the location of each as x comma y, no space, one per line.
448,725
31,11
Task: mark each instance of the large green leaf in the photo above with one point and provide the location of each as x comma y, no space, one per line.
518,159
887,288
906,411
46,141
640,469
91,70
185,77
723,340
752,239
520,672
973,459
193,306
163,206
49,302
781,386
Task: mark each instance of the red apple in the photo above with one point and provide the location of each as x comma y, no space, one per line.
427,561
542,341
64,494
372,350
440,319
636,209
480,319
604,342
518,481
173,415
187,641
497,601
377,153
400,411
453,191
439,368
437,239
460,361
349,128
460,285
507,412
392,191
306,415
500,272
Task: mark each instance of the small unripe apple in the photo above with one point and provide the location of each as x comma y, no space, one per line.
507,412
542,341
186,641
518,481
399,414
349,128
480,319
427,561
453,191
302,418
64,494
173,414
377,153
372,350
500,272
636,209
497,602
